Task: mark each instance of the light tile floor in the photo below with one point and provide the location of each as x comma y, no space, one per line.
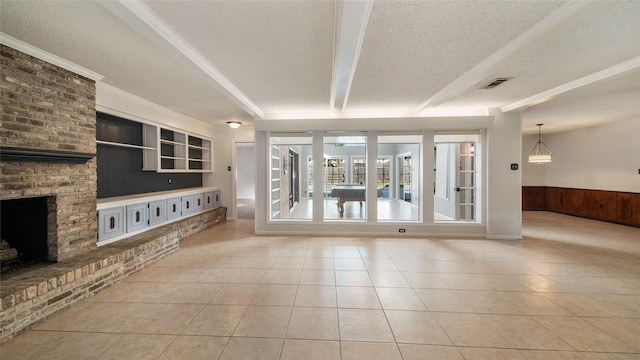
570,290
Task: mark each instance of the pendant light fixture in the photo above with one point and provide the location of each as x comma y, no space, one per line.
540,155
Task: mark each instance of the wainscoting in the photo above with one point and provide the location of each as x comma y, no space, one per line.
612,206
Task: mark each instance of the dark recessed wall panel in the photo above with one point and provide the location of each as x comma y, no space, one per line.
120,168
120,173
115,129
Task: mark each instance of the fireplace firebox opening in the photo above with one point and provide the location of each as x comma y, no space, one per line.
24,232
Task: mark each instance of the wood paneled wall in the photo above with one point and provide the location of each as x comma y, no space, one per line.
612,206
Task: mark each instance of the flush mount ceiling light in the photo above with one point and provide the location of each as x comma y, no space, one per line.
540,155
234,124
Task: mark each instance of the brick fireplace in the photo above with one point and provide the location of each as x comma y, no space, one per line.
47,155
48,142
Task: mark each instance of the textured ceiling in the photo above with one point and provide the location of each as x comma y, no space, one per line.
573,63
411,51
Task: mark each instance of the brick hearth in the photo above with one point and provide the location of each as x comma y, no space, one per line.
32,297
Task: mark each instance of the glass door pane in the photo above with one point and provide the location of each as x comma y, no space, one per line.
404,177
383,175
455,178
359,166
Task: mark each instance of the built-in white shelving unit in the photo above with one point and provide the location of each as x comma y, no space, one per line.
169,150
275,182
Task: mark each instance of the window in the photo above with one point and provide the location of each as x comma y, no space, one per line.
290,177
398,176
344,181
359,166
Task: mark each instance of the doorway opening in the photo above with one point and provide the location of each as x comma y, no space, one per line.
245,180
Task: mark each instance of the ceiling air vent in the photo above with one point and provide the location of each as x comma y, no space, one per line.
495,82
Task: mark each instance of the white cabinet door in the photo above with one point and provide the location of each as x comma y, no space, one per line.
111,223
174,208
137,216
157,212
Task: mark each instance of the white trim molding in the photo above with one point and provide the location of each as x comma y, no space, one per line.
583,81
117,102
29,49
144,19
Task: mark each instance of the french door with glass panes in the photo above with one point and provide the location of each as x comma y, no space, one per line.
465,178
456,181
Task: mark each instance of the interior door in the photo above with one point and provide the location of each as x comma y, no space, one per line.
456,186
294,176
404,178
465,182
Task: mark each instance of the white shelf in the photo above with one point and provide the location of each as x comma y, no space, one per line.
275,201
198,147
110,143
170,142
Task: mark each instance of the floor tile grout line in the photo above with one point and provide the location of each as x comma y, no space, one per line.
612,335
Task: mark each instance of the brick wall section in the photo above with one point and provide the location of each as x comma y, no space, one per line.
31,298
47,107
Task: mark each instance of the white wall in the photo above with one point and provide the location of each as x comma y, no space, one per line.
532,174
114,101
246,171
604,157
504,186
224,152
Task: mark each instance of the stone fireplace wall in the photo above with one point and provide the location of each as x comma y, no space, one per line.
46,107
